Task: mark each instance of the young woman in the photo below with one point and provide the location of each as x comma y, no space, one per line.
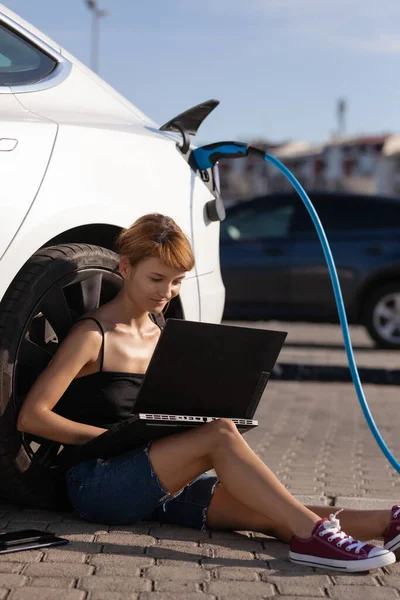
92,382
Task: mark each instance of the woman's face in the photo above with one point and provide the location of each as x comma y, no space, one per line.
151,284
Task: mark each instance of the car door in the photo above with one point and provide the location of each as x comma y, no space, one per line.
343,217
26,142
256,254
26,139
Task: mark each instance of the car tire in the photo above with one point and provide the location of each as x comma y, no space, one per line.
55,286
383,302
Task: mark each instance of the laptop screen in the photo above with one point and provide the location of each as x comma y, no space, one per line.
208,369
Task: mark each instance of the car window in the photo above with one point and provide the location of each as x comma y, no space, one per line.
302,221
21,62
272,220
348,213
379,214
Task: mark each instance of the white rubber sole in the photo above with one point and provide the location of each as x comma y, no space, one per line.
353,566
394,544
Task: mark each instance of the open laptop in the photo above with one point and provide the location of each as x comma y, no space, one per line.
199,372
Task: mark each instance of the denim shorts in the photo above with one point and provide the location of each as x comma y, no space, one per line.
126,490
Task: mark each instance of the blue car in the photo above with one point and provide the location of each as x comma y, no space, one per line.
273,265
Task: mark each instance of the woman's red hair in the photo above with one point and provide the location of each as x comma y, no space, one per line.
156,236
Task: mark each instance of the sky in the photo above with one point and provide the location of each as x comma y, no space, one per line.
278,67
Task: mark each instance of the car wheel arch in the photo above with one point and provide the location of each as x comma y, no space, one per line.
370,286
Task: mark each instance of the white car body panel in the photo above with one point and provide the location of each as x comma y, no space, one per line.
109,165
81,100
28,141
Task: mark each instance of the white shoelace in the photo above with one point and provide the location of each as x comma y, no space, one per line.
396,514
333,527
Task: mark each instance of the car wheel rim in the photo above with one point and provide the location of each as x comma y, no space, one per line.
386,318
47,325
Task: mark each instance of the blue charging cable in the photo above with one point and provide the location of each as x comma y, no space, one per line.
205,157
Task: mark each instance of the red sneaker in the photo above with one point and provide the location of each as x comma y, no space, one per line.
331,548
392,533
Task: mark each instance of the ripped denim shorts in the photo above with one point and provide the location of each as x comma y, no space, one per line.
126,490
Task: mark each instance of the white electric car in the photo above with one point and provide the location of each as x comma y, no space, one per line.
78,162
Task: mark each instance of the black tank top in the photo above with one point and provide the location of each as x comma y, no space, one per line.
102,398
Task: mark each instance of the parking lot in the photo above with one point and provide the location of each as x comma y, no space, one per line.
312,434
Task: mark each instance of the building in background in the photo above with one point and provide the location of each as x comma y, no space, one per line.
388,173
247,177
363,164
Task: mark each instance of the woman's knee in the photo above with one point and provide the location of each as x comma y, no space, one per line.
224,430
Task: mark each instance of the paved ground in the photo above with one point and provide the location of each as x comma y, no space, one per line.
313,436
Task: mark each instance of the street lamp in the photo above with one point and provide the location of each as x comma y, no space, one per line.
97,13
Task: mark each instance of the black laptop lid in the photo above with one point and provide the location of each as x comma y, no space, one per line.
208,369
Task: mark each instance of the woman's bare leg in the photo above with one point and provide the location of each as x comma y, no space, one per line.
180,458
225,512
361,524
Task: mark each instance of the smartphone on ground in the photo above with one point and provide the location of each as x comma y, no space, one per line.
28,539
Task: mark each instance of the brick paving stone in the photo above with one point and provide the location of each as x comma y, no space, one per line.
274,549
11,580
117,571
308,499
393,569
3,594
39,593
141,528
78,528
17,525
122,549
239,589
215,563
178,587
236,574
230,535
54,555
351,592
10,567
167,562
178,533
96,595
281,564
79,548
245,544
226,552
115,584
178,549
175,596
355,579
79,537
126,539
302,597
272,557
391,581
51,582
22,557
177,574
311,585
51,569
119,564
366,503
